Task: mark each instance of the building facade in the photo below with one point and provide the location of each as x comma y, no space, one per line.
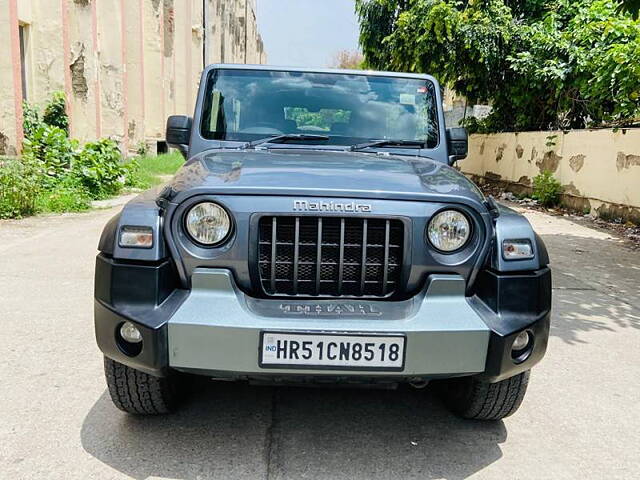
124,65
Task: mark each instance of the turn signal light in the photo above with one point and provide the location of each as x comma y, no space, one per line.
136,237
517,249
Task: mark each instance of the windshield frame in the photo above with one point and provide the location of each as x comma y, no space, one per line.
199,143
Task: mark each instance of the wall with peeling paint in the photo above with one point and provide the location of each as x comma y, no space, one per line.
598,169
125,65
8,133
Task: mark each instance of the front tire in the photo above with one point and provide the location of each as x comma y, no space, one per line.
471,398
136,392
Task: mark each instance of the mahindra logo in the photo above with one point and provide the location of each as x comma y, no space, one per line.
307,206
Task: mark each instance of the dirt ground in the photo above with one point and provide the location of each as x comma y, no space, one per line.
580,419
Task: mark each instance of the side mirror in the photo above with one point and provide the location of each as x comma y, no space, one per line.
457,144
178,133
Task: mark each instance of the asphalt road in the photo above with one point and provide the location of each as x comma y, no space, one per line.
580,419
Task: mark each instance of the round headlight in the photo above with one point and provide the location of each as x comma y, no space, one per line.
208,223
449,230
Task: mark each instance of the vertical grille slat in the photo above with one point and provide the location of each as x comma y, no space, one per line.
296,256
363,261
274,252
329,256
385,269
319,256
341,257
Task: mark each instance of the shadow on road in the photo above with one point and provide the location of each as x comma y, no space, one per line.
238,431
596,286
581,311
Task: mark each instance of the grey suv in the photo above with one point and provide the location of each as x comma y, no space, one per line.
318,233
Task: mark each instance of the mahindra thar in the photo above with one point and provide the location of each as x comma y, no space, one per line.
319,234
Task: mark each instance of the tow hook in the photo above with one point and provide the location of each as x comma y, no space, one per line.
418,383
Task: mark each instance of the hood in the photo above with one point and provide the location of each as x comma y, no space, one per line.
322,173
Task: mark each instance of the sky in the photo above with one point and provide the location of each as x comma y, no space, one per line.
306,33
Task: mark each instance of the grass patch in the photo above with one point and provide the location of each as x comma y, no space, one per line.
153,170
65,197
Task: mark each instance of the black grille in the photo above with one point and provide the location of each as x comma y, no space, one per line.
330,256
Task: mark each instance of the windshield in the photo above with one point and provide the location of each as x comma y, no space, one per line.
247,105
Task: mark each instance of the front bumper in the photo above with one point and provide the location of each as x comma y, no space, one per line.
214,329
217,329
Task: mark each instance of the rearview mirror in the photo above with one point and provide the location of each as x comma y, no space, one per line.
457,144
178,133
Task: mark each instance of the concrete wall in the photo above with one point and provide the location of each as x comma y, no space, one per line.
125,65
598,169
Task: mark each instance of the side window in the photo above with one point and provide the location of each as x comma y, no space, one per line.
225,113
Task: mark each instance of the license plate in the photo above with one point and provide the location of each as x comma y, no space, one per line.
332,351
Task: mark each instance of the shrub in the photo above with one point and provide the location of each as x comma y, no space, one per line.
53,150
20,183
30,119
142,149
546,189
55,112
54,173
99,169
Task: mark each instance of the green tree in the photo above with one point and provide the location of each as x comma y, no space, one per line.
631,6
542,64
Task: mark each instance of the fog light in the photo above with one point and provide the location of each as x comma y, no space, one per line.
130,333
521,341
522,346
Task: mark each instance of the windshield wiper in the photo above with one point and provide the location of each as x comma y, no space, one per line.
387,143
285,137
